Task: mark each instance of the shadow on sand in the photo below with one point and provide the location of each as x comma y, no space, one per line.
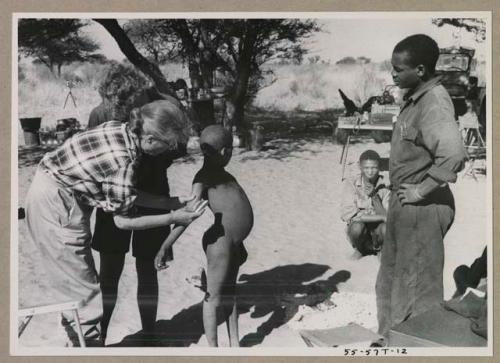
279,291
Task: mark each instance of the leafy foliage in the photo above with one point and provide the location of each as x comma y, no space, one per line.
473,25
154,38
55,42
226,52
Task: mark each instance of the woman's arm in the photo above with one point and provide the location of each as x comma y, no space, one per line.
367,218
182,216
149,200
143,222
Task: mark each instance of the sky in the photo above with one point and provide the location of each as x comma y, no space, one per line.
373,37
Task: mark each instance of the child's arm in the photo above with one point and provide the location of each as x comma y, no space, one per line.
161,256
178,230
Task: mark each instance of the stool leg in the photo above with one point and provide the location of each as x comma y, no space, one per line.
345,156
23,325
79,331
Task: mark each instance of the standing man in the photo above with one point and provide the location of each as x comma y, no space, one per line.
426,154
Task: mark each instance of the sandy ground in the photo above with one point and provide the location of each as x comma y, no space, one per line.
300,273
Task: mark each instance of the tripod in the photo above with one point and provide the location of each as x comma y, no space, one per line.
69,95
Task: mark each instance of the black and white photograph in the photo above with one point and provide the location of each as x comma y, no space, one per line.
252,184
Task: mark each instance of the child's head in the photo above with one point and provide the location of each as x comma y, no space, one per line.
369,163
160,126
216,143
414,60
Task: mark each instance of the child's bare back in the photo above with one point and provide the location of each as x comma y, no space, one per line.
228,202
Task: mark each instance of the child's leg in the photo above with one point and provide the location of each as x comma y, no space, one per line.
230,295
358,236
219,256
147,293
111,267
378,236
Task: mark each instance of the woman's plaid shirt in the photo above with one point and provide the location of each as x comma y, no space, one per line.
98,165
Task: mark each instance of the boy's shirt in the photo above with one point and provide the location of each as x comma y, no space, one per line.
356,202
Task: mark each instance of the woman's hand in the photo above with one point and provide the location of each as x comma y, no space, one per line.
161,260
184,199
186,215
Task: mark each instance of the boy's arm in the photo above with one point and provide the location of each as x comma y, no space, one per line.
160,259
177,231
348,206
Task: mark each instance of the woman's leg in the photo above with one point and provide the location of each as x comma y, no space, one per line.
111,267
147,293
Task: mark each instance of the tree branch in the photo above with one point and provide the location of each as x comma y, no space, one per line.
137,59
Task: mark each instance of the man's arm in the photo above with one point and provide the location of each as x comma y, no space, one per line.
441,137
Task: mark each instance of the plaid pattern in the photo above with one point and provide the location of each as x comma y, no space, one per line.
98,165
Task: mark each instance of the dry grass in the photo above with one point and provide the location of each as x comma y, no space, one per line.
314,87
311,87
42,94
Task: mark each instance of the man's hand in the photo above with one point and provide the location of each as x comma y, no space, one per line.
161,259
409,194
186,215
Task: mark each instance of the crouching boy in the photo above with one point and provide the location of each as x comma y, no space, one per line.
364,205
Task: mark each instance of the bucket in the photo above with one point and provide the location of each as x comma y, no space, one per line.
31,138
31,123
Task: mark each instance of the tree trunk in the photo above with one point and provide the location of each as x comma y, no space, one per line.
59,66
240,90
130,51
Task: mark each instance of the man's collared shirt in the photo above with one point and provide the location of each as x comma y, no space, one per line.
356,202
425,140
98,165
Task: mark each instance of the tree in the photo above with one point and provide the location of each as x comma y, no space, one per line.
137,59
346,60
238,48
473,25
153,39
363,60
55,42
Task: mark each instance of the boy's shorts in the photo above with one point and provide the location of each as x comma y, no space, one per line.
108,238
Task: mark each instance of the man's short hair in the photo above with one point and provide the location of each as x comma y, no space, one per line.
421,49
369,155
